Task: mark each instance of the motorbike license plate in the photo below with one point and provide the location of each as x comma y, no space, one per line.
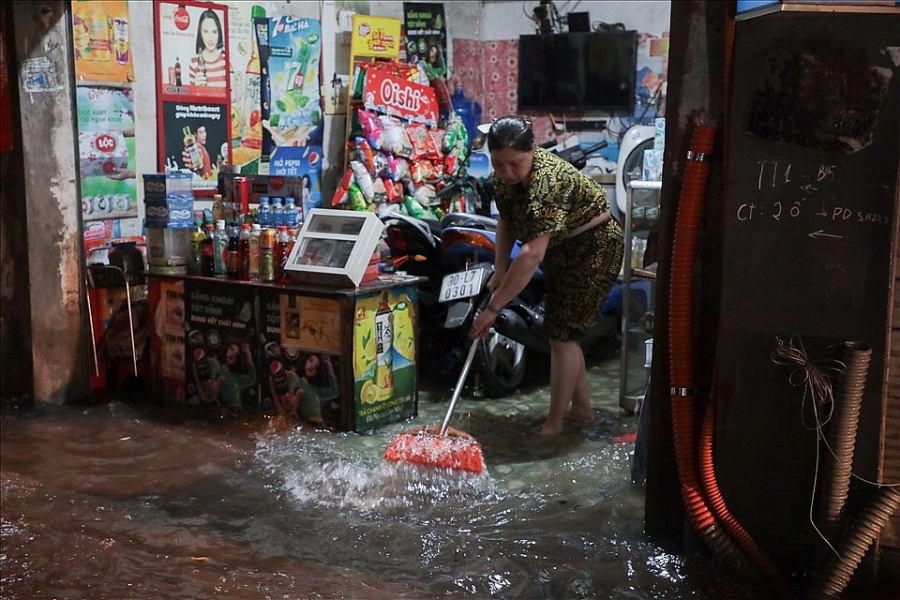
463,284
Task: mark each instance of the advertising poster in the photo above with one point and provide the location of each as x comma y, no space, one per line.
106,152
192,56
301,357
167,340
295,111
384,368
194,84
101,32
375,37
426,36
303,163
195,140
247,27
222,347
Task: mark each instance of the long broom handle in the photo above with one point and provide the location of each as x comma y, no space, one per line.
459,386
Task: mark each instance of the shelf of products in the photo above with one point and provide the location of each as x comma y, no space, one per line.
638,291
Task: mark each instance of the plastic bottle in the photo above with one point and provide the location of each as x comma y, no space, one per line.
291,218
468,110
197,237
255,232
289,247
220,247
218,208
384,349
244,253
263,213
281,252
276,212
207,253
267,255
233,253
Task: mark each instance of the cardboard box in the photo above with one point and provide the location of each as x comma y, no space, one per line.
169,213
659,133
158,186
653,165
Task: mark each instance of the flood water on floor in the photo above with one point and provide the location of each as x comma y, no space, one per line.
122,501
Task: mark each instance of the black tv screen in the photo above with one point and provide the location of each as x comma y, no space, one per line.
569,72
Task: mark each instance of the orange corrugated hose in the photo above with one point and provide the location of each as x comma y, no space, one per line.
681,352
693,452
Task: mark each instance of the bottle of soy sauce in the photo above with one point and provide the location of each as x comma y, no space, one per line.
244,253
232,253
208,253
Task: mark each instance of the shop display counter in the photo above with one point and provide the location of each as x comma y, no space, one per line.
345,354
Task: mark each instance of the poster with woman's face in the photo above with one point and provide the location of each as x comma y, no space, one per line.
192,53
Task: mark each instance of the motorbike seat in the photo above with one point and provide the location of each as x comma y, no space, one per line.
475,221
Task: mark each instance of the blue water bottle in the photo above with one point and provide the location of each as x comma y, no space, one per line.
290,212
262,213
276,214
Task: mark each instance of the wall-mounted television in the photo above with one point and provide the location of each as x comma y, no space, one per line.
578,72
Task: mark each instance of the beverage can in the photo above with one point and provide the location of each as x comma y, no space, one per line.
266,266
267,239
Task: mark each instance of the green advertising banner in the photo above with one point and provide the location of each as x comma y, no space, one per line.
106,152
384,351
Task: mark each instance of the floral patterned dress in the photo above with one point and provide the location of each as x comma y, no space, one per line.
579,271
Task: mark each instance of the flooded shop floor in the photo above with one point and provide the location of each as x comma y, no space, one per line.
118,500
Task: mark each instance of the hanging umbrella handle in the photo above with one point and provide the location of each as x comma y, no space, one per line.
459,386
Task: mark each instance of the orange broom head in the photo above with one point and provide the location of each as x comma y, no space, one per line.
456,450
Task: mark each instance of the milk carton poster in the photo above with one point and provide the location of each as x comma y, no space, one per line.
106,153
295,113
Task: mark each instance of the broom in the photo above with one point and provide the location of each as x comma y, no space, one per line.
446,447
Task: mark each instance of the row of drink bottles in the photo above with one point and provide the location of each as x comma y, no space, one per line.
246,252
274,211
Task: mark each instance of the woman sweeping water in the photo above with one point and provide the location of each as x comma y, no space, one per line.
562,218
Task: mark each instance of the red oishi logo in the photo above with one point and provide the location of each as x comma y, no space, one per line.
105,143
402,97
181,18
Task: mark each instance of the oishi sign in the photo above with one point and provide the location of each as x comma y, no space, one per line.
400,98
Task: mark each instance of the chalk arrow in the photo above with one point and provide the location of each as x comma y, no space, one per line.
821,233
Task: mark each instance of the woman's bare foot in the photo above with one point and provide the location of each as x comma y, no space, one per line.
548,430
587,418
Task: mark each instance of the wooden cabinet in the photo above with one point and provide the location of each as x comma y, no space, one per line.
257,336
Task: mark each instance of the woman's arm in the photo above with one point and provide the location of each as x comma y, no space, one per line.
517,277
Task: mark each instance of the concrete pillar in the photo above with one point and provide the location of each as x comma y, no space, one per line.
43,70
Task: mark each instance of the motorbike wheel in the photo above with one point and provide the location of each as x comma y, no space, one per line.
502,364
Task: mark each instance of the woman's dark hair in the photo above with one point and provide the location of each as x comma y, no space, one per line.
209,14
511,131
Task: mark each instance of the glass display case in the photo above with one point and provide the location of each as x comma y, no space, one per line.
334,247
638,291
